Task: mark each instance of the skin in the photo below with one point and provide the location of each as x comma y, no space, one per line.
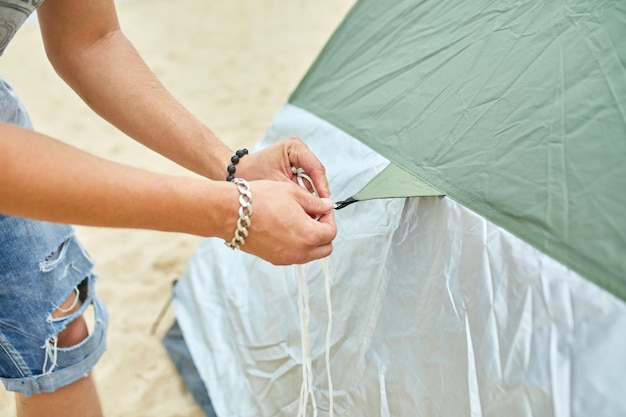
46,179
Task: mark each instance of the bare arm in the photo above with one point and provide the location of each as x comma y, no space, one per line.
88,50
45,179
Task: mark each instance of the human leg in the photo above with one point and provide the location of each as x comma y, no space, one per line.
79,399
46,349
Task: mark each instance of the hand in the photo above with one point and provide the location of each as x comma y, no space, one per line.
275,162
284,230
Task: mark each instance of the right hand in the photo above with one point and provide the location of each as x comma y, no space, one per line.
276,161
283,228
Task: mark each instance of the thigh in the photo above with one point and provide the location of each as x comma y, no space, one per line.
42,267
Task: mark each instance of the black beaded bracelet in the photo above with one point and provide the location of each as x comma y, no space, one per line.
235,160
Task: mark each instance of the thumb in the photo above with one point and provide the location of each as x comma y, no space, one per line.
316,206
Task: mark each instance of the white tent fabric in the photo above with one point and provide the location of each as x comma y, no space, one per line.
436,311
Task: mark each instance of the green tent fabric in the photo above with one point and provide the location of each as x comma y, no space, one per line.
394,182
518,112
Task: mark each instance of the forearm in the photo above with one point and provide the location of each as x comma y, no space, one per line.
114,81
45,179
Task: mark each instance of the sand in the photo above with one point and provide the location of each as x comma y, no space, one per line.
233,64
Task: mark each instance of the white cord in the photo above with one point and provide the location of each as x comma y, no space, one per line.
329,328
306,389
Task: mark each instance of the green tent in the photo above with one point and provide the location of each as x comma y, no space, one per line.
516,110
481,270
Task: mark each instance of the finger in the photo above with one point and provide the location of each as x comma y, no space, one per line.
313,205
301,157
326,228
329,227
320,252
321,182
317,172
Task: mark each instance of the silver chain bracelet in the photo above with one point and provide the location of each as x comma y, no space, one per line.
245,211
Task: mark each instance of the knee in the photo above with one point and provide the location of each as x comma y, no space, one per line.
73,334
75,331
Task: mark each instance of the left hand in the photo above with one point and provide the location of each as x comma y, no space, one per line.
275,162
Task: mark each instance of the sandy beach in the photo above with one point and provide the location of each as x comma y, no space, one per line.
233,64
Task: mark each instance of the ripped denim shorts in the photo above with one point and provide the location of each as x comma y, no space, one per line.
42,265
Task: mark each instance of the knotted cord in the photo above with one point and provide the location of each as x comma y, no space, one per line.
306,389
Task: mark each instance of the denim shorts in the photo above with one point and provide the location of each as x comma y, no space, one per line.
41,266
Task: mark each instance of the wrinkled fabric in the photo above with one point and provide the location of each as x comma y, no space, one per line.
515,109
436,312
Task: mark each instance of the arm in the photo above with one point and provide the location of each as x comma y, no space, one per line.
45,179
88,50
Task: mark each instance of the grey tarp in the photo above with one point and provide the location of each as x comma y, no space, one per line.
436,312
504,298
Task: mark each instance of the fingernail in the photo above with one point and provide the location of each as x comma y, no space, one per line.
328,201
